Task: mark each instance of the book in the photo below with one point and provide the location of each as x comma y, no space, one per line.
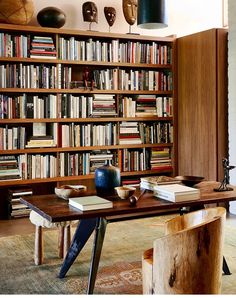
151,181
90,203
176,192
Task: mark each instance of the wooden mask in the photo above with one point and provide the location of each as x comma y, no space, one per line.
130,10
90,12
110,14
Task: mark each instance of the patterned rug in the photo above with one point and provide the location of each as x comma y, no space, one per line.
120,264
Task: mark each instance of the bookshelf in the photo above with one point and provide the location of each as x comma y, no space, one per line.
97,96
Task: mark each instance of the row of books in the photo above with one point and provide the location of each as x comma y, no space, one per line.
135,160
12,138
80,106
13,45
72,106
33,166
71,135
146,159
28,76
145,80
114,51
73,164
48,76
147,106
28,106
78,135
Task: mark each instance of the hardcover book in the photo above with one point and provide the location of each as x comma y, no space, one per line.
176,192
90,203
150,182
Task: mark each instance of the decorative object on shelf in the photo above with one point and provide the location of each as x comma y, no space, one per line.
107,177
90,13
69,191
152,14
18,12
88,78
130,12
223,186
190,180
124,192
51,17
110,15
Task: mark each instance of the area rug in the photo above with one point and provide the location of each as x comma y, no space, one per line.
120,264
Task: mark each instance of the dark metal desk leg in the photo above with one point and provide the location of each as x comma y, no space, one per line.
97,249
81,236
226,267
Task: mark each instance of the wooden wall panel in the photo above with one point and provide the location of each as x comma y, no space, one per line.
201,135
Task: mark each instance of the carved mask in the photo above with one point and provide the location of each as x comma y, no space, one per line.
90,12
110,14
130,11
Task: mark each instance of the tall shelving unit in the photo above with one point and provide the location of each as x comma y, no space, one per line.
128,67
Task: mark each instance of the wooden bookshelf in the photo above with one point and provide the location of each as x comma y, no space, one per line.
159,72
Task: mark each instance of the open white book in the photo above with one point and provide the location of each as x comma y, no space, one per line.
90,203
176,192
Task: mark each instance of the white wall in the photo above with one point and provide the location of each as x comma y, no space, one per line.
185,16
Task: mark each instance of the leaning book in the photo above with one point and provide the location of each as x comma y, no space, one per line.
176,193
90,203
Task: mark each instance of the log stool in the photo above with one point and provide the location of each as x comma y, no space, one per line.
64,237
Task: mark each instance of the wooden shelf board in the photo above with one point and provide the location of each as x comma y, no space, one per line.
82,91
86,148
85,120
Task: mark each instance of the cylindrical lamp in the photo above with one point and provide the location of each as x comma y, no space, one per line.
152,14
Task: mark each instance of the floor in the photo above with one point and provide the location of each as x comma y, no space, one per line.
23,226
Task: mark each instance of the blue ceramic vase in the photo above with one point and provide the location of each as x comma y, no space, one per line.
107,177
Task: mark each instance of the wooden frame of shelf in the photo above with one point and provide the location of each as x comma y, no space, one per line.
117,93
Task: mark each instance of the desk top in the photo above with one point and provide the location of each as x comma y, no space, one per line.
56,209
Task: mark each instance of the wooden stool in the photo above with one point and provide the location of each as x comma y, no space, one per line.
64,237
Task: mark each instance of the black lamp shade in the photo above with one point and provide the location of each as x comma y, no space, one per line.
152,14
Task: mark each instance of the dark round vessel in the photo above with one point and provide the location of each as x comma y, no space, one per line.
51,17
190,180
107,178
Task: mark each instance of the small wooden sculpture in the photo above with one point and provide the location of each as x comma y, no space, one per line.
90,13
130,11
225,182
88,78
110,14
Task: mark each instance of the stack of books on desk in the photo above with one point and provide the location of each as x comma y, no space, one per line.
150,182
176,192
90,203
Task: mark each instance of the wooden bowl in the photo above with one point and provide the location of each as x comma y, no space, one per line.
124,192
190,180
69,191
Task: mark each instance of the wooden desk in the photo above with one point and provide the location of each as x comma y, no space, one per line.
55,209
